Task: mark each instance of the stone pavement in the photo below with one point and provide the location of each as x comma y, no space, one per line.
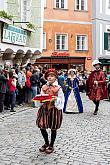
84,139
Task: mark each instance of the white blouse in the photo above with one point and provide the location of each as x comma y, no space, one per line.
59,102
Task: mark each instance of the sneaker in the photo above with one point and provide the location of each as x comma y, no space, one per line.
20,105
49,150
7,108
43,148
12,110
95,113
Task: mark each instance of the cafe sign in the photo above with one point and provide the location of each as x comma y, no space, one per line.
14,35
64,54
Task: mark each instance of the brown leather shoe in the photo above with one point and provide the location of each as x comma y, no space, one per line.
43,148
49,150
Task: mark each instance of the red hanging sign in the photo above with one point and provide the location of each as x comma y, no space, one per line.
60,54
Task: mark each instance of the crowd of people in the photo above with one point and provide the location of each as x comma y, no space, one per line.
19,84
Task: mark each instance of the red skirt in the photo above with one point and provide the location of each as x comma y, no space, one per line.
51,118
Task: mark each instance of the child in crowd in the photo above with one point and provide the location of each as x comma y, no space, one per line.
50,116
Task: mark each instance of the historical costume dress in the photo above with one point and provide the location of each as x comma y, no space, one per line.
73,102
96,86
99,91
50,113
51,118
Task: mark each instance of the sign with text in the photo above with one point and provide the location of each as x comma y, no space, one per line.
60,54
14,35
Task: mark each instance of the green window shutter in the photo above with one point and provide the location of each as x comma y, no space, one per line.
105,41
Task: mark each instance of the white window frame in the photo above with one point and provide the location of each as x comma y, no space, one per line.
85,5
109,41
107,52
66,46
65,4
107,10
45,3
108,4
86,42
108,31
44,40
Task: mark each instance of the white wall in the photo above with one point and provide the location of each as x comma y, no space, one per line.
3,5
107,11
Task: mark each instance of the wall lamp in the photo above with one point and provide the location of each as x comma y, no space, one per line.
50,40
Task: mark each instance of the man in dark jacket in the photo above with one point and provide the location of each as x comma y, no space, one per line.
34,80
3,85
61,80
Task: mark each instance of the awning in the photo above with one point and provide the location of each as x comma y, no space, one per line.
104,57
105,60
8,51
8,54
28,54
20,53
7,21
37,52
15,48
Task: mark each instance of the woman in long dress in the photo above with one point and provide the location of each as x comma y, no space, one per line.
73,102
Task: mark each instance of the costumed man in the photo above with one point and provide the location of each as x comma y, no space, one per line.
50,113
96,85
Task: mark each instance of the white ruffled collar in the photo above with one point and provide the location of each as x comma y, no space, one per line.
53,84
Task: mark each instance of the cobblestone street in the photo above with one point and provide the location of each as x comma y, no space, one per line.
84,139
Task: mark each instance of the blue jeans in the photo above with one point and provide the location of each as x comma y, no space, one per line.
34,91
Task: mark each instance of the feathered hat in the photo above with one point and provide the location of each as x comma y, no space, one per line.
51,71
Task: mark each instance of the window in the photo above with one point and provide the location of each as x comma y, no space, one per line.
61,42
107,41
62,4
108,4
44,40
80,4
81,42
25,10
